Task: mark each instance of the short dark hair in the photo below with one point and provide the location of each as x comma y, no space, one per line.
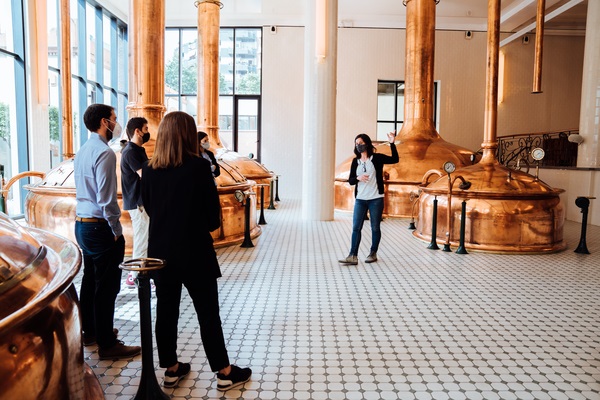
135,123
201,135
94,115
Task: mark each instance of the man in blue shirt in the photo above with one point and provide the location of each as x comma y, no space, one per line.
133,157
99,233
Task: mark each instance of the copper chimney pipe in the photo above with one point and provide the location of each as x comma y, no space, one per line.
146,79
490,123
208,68
65,78
539,41
418,88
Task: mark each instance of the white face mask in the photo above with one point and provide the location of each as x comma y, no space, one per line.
115,132
205,145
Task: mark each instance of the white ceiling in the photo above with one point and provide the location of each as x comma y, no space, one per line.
450,14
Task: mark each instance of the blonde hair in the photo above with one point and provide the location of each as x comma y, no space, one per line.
176,140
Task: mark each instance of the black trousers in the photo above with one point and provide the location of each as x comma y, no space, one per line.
101,279
205,296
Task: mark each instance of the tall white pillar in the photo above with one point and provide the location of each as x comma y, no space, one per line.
320,81
589,115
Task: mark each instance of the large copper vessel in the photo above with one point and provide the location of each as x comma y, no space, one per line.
420,147
40,331
50,204
506,211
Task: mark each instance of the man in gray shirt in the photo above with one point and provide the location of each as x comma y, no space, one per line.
99,233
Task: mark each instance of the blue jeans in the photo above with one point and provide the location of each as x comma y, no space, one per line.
375,208
101,281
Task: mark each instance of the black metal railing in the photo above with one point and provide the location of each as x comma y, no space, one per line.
514,151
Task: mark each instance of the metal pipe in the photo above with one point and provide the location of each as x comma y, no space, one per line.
490,144
247,239
584,204
539,41
433,245
65,78
277,188
149,387
419,66
208,68
463,217
146,79
261,220
271,201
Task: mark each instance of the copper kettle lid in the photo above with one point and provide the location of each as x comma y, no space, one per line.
20,253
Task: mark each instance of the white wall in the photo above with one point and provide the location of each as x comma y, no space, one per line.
366,55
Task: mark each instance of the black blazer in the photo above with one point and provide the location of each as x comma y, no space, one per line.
378,161
183,206
214,162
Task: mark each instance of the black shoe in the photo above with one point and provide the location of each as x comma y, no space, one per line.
118,351
91,339
236,377
173,378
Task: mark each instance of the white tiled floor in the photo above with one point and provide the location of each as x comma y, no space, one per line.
418,324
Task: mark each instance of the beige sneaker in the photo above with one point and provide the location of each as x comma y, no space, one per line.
350,260
371,258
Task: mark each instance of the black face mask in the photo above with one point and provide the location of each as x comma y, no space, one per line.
145,137
361,148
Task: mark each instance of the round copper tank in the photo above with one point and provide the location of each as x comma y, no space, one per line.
417,156
248,167
50,204
40,333
507,211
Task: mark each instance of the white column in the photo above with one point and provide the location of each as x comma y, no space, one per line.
589,115
320,81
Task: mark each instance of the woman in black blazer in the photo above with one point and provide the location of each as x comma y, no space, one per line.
181,199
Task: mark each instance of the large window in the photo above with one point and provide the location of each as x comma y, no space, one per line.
98,68
240,69
13,119
390,107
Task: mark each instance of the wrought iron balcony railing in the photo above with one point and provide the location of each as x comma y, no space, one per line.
514,151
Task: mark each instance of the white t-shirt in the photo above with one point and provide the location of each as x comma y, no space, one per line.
367,190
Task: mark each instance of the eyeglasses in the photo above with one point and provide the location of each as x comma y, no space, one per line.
364,165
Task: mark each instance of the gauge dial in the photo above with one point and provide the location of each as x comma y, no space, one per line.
449,167
537,154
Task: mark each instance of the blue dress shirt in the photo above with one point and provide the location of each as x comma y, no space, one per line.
96,182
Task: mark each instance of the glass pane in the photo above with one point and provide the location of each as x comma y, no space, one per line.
400,106
90,31
8,131
225,121
75,106
91,94
122,59
74,38
106,53
189,61
189,104
6,27
53,33
172,61
247,61
226,61
172,103
247,127
385,101
121,108
383,128
55,117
